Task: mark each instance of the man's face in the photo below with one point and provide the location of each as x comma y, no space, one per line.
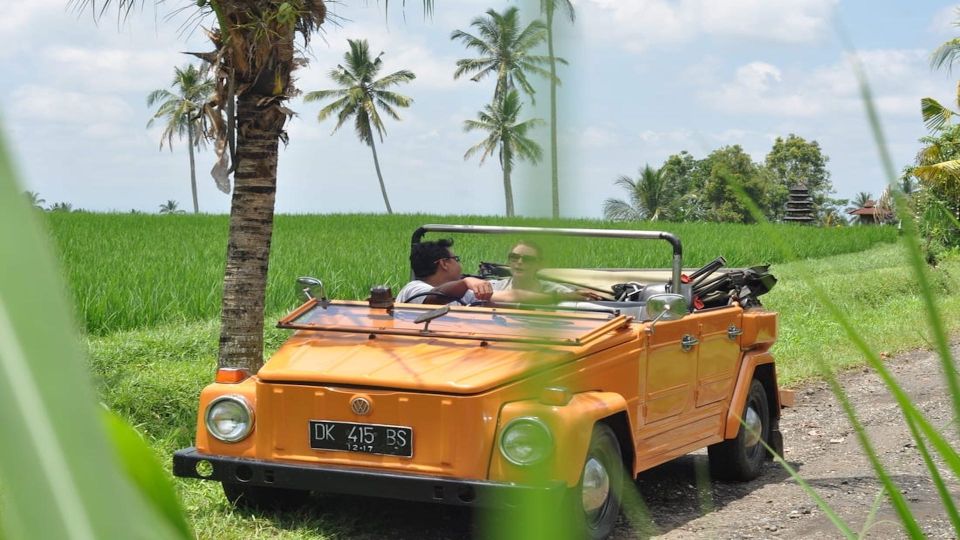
524,262
449,266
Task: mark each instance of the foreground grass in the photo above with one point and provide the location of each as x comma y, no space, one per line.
153,376
134,271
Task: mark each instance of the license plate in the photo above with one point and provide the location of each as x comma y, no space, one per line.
366,438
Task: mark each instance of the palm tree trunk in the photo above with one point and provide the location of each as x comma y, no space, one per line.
193,168
251,228
554,178
506,162
383,188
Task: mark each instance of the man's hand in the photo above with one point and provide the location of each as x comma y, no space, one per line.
577,295
481,288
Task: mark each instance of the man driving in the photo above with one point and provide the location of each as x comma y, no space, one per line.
437,270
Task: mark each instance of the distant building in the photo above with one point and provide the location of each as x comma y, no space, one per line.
800,206
870,213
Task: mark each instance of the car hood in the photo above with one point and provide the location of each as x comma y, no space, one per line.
421,364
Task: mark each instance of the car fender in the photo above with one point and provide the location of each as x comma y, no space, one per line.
571,427
206,443
748,368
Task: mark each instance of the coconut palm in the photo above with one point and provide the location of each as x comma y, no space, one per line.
34,200
361,96
506,51
549,8
253,57
182,110
61,207
861,199
648,197
170,207
505,136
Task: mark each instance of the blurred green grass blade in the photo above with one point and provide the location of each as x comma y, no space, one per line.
935,476
911,239
146,472
55,456
896,497
909,410
872,515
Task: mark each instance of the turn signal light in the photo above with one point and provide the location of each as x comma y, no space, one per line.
555,395
232,375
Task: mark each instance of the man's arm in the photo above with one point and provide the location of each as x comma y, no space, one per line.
480,287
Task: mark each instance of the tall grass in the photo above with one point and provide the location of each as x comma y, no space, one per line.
133,271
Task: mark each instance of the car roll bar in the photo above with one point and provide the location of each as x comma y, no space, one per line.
595,233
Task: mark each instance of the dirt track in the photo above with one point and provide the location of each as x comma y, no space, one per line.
818,442
821,445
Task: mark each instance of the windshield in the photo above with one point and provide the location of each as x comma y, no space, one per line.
491,324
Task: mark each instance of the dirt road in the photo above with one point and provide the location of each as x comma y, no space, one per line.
821,445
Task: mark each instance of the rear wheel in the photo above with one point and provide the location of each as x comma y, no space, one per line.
742,458
596,501
262,497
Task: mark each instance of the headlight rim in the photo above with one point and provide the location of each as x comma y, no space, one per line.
242,401
535,421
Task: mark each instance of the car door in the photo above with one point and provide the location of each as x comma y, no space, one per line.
719,354
671,370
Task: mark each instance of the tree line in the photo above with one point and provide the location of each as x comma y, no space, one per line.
685,188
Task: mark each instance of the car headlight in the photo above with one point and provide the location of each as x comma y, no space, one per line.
526,441
229,418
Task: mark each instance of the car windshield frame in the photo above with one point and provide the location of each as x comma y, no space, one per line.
470,323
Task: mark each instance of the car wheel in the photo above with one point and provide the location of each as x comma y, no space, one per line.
596,501
262,497
742,458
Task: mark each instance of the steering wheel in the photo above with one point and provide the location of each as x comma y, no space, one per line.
440,294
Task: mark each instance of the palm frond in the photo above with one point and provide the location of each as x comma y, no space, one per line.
946,54
935,115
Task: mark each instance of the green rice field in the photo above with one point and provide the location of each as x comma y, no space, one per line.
134,271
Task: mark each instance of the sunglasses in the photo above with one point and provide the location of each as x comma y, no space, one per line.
454,257
528,259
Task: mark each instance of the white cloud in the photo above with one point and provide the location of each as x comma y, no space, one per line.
898,79
640,24
109,69
54,105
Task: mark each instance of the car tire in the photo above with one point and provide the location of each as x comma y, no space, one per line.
262,497
595,502
742,458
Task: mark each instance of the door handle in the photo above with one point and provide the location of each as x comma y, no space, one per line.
733,331
688,342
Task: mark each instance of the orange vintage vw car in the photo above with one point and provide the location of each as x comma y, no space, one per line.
481,405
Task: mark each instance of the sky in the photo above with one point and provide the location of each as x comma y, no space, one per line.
646,79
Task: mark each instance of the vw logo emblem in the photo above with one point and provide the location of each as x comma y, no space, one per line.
361,406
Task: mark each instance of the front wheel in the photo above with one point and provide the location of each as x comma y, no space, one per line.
742,458
596,500
262,497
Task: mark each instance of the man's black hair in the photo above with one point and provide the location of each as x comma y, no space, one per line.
424,256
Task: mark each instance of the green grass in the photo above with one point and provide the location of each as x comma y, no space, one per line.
134,271
152,376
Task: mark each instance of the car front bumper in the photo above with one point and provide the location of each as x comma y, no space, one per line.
356,481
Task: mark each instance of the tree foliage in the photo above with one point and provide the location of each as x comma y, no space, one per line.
362,96
794,161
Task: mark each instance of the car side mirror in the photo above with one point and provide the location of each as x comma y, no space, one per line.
666,307
312,287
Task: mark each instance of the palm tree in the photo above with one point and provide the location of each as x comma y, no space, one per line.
861,199
505,51
170,207
505,136
649,196
549,8
61,207
182,110
34,200
359,96
253,58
